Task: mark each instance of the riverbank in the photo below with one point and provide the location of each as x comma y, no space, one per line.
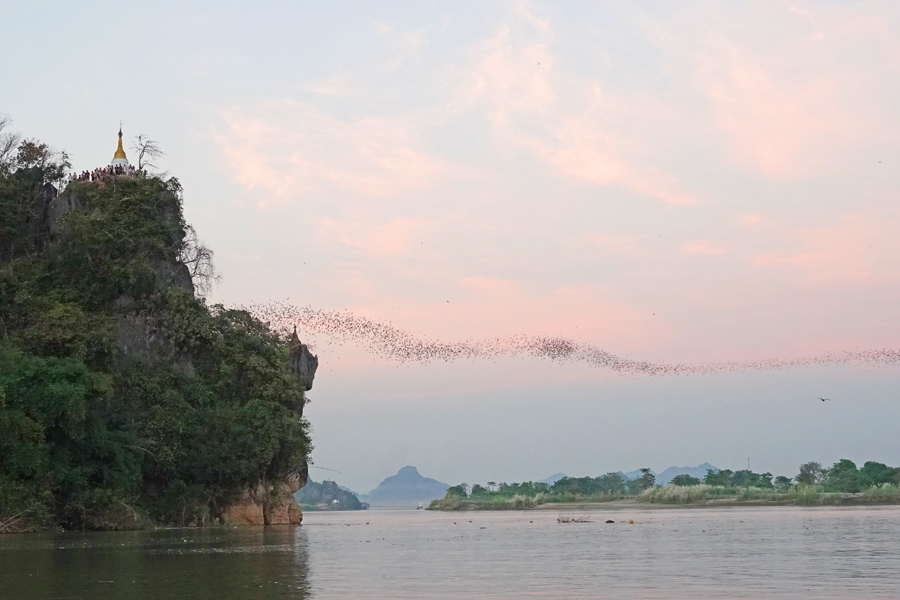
701,496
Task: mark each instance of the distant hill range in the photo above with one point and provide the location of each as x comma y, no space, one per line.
666,476
406,489
553,478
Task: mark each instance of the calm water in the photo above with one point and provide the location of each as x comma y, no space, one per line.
695,553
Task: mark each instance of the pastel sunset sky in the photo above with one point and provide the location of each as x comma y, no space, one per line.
677,181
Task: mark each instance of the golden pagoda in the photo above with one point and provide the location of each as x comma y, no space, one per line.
119,157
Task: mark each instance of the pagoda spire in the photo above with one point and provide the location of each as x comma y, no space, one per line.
119,157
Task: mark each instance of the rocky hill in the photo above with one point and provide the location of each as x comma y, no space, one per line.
699,472
328,496
125,400
406,489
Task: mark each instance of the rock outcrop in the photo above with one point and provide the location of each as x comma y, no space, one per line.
303,362
267,503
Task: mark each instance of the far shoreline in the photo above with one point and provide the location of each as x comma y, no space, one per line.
846,500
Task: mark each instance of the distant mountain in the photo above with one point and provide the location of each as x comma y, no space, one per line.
699,472
327,496
666,476
553,478
406,488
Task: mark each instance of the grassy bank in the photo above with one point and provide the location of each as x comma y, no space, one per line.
517,502
801,495
691,495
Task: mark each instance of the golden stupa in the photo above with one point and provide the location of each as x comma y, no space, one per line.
119,157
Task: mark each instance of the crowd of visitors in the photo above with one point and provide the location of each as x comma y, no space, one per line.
99,174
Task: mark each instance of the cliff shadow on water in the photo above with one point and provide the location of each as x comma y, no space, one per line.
125,400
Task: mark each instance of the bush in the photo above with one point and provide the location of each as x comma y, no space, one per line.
674,494
885,492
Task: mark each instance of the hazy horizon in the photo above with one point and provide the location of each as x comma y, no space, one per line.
695,182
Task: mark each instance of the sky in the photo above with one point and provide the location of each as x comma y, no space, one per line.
675,181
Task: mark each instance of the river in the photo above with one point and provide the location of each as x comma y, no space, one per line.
788,552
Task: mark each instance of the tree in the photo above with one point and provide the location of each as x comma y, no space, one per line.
647,479
199,261
9,142
685,479
459,491
782,483
479,490
148,151
719,477
612,483
843,476
876,473
810,473
746,478
491,485
32,154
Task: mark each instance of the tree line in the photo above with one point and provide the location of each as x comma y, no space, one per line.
844,476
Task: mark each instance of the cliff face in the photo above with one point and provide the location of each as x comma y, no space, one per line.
303,362
138,330
266,503
140,336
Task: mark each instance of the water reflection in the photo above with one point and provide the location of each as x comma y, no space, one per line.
264,563
387,555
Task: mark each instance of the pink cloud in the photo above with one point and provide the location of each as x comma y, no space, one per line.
784,89
847,253
573,124
619,244
705,248
396,237
755,220
289,149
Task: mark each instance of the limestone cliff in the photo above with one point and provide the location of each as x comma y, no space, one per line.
141,336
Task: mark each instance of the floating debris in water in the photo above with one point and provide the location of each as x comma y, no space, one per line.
573,519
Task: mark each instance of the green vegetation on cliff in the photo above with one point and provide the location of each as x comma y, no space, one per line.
124,399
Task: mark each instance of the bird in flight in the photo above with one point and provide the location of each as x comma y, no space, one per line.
824,399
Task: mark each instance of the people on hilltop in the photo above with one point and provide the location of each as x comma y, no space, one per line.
119,167
103,173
